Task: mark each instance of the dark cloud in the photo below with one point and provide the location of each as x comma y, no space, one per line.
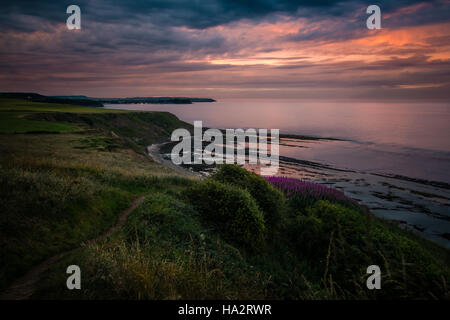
350,27
189,13
130,44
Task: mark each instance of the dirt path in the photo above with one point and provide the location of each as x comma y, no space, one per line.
24,287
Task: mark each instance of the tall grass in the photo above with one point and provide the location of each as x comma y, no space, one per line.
53,195
141,271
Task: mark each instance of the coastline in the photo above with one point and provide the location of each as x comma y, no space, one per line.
419,205
108,159
154,152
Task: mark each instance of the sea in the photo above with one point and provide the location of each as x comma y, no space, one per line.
394,157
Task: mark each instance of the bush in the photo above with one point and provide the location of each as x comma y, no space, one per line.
270,200
231,209
342,242
162,217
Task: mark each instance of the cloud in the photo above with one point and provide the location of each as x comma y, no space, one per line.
224,47
188,13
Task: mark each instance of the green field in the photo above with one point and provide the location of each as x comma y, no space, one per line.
19,105
67,172
16,116
11,122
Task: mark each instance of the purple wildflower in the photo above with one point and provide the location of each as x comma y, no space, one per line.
308,191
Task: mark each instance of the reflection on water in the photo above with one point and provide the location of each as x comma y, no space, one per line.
410,139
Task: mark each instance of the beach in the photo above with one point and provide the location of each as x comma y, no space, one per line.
395,167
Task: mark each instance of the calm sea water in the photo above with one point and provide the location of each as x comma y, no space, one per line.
410,139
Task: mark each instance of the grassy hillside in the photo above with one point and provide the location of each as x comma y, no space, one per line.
64,181
234,235
35,97
191,242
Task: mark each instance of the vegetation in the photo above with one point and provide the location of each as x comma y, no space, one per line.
304,193
234,235
344,242
15,123
179,245
40,98
24,105
270,201
231,210
57,190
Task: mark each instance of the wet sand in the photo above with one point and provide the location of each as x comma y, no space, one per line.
419,205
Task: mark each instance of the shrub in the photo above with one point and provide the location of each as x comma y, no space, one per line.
270,200
342,242
231,209
162,217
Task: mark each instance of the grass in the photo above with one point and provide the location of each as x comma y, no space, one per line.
168,250
19,105
14,123
137,129
163,253
15,116
57,190
53,195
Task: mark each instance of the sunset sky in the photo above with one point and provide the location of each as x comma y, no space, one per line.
228,49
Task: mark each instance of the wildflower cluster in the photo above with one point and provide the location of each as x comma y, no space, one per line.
308,192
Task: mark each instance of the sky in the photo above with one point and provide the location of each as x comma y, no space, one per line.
268,49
